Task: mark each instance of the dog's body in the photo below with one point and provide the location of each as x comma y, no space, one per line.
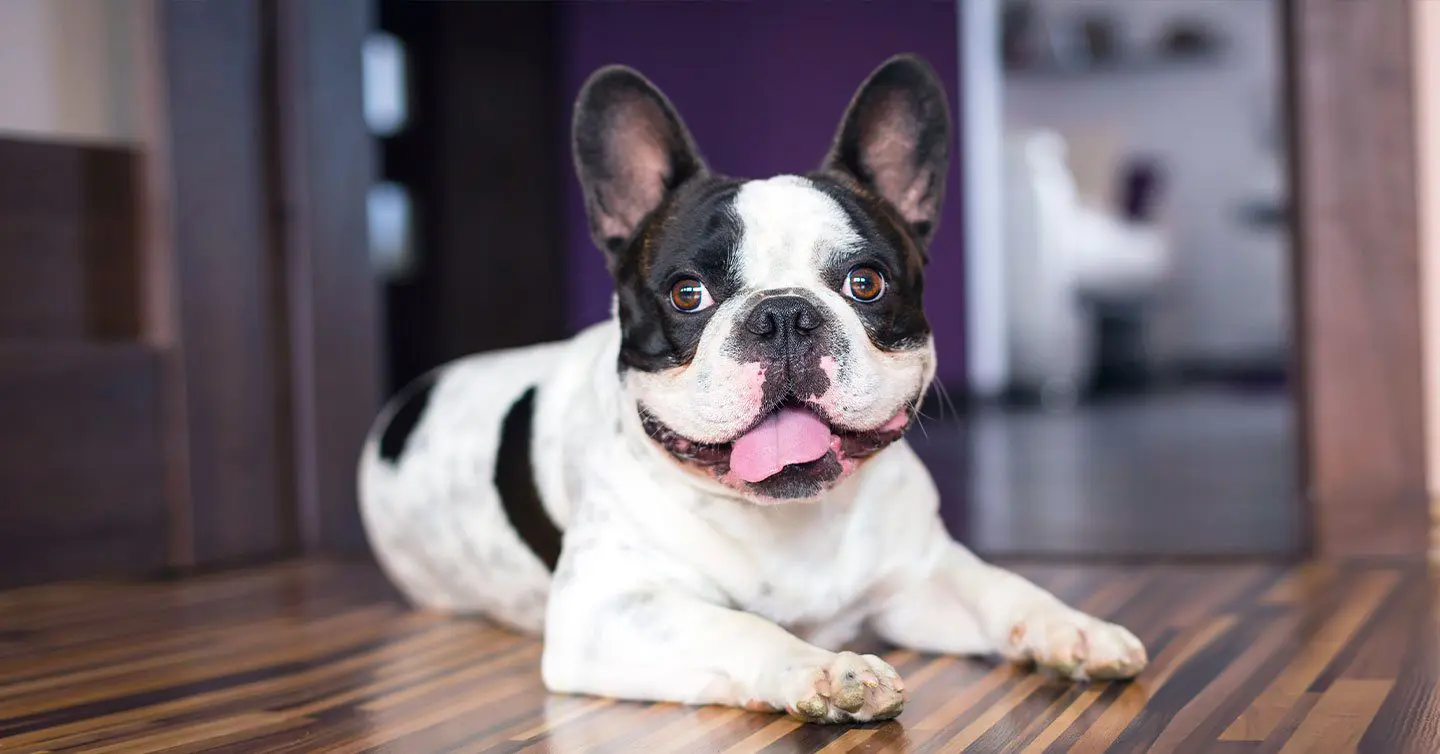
724,456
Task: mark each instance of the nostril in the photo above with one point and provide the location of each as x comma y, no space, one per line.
807,320
762,323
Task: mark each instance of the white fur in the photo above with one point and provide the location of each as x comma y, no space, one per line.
670,590
791,230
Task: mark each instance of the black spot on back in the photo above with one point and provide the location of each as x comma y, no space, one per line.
411,404
515,481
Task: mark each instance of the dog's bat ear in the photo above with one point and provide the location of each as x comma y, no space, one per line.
631,151
895,141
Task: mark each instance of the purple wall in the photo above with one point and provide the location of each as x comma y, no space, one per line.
762,87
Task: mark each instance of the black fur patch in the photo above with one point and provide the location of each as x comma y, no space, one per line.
630,148
693,234
411,403
895,322
515,481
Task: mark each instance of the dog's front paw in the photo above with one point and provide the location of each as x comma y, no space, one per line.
850,689
1075,645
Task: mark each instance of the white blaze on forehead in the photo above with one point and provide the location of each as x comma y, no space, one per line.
789,230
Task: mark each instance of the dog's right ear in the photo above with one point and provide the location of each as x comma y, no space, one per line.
631,151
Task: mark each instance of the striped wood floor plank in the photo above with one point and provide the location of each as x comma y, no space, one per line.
319,656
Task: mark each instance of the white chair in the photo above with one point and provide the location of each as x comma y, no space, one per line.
1061,253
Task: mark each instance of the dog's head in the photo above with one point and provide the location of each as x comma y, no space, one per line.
772,330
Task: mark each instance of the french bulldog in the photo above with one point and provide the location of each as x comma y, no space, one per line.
706,498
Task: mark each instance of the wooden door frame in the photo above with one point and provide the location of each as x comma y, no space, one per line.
259,283
214,283
1349,69
1357,306
326,166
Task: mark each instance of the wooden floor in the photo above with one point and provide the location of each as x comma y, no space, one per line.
315,657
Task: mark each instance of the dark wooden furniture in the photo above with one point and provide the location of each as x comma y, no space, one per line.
82,483
189,331
80,457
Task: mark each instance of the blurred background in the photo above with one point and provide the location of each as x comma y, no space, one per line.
1129,297
1108,293
260,217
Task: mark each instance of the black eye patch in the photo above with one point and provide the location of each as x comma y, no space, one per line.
895,321
695,234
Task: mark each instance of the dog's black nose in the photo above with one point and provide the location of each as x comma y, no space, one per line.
784,317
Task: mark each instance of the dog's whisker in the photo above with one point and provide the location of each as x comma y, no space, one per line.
945,400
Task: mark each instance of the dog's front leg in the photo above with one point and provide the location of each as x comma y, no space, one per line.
660,644
959,604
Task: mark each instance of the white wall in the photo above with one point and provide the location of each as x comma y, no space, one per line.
1229,297
982,141
68,69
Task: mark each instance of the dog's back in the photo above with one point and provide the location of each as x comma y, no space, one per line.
460,487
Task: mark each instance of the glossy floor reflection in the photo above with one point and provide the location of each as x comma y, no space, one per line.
316,657
1201,472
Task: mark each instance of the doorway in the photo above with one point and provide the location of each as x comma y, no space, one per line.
1130,259
478,162
1175,399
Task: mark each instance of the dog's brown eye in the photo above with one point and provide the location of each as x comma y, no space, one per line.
864,284
689,295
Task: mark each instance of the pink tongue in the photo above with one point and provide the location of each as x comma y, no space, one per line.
788,436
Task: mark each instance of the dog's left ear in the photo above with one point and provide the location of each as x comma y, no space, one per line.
895,141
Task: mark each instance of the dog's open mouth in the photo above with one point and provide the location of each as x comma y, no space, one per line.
789,450
791,435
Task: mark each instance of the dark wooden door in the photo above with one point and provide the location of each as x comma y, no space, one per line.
483,156
278,344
